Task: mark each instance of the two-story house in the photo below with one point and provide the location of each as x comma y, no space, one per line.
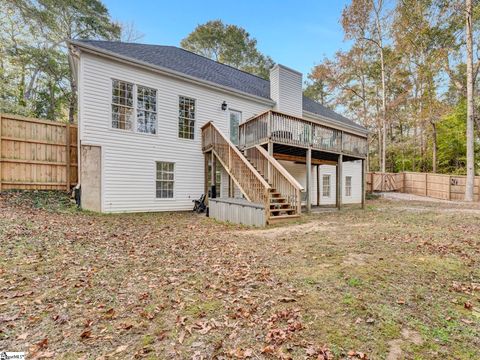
158,126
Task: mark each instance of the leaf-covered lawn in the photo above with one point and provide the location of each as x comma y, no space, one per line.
397,280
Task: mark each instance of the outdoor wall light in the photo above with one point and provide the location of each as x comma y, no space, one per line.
224,106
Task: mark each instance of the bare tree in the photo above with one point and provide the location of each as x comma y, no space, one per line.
129,32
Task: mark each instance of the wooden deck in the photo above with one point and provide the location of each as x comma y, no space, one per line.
279,128
253,167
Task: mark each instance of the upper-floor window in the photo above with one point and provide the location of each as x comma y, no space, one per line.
186,118
122,105
146,110
348,186
134,107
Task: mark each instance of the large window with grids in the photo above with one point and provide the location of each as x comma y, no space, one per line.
348,186
326,186
146,110
122,105
165,180
186,118
134,107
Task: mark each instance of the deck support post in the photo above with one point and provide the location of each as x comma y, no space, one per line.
339,176
309,179
318,185
231,187
213,177
270,152
364,166
205,176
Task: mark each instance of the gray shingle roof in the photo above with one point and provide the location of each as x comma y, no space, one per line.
202,68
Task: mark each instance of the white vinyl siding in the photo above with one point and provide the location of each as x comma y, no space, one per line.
286,90
353,169
299,172
128,158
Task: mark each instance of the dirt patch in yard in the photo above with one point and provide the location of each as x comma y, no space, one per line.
340,285
283,231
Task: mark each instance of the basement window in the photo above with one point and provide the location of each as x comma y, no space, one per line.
326,186
348,186
165,180
122,105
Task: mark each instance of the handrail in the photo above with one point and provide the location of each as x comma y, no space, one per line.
245,161
251,183
280,168
277,176
254,117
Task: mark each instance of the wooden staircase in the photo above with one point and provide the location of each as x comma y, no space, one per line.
279,206
259,176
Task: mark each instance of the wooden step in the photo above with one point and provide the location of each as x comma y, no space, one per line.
282,218
286,210
276,200
279,205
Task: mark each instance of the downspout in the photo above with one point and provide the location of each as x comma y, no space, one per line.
74,59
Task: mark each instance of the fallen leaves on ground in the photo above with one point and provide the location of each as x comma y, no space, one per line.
178,285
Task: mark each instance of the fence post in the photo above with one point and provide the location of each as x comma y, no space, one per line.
0,152
404,182
67,145
449,188
426,184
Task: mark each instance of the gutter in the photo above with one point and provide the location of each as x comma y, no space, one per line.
168,72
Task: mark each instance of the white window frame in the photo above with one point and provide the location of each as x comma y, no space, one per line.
329,177
132,108
133,130
194,118
159,180
137,109
348,186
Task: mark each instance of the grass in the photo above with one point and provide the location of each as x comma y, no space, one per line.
179,285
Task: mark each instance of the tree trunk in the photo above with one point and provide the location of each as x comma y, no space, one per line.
470,131
384,95
435,147
73,100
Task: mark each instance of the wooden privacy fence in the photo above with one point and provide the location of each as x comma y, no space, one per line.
37,154
439,186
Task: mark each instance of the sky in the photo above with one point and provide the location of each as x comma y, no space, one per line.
297,34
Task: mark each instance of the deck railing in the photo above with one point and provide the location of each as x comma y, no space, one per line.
353,144
290,130
252,185
279,178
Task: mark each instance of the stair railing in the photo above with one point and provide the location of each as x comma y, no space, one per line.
276,175
253,186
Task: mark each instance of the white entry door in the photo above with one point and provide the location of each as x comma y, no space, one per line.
235,119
